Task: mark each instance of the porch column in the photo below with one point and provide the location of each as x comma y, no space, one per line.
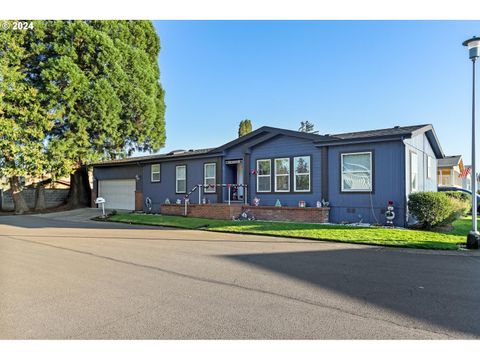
246,176
324,172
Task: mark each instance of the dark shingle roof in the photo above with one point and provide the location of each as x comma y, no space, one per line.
395,131
449,161
171,155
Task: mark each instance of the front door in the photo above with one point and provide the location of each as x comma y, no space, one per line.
240,180
234,175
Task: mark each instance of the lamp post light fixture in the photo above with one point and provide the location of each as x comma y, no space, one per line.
473,238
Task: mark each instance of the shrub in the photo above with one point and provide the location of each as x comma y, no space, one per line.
430,208
459,209
460,195
461,201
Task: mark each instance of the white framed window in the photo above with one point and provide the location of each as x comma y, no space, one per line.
180,179
155,173
357,172
264,175
429,167
282,175
413,171
301,167
209,177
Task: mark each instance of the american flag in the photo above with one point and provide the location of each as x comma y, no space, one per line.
465,172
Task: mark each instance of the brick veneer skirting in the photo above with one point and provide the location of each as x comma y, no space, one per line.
287,213
224,211
209,211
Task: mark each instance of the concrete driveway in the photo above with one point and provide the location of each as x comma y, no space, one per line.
65,277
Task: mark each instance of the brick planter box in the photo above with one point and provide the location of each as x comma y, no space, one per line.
209,211
226,212
287,213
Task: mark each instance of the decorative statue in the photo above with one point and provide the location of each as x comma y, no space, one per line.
390,214
256,201
148,204
278,203
167,201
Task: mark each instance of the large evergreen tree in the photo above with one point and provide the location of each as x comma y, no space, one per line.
100,82
244,127
307,126
23,120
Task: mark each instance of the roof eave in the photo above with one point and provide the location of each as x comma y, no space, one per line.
433,139
156,159
361,140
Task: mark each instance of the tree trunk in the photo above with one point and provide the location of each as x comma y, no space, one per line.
80,191
40,198
19,203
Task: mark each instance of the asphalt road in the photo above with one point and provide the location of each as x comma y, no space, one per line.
65,278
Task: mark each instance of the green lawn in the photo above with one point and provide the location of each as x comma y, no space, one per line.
341,233
462,226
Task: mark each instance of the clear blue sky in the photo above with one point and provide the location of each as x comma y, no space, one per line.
341,75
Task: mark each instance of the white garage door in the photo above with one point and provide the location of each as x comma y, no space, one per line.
118,194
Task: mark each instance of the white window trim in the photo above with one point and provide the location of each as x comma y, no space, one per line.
411,173
269,176
205,177
275,174
295,173
371,172
177,178
429,166
152,173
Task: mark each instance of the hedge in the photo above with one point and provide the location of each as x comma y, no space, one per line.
462,201
438,208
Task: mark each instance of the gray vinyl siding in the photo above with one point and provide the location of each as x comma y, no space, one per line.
287,147
158,192
388,184
421,146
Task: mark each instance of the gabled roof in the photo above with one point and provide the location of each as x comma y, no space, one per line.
171,155
449,161
264,130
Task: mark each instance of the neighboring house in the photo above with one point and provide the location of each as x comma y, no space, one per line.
467,181
358,173
449,169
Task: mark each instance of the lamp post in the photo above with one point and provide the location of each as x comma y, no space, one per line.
473,237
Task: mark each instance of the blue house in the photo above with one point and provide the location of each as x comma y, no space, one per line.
358,173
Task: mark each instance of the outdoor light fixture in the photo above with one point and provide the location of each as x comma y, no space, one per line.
473,237
473,45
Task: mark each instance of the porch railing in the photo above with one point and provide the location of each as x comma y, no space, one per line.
199,187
